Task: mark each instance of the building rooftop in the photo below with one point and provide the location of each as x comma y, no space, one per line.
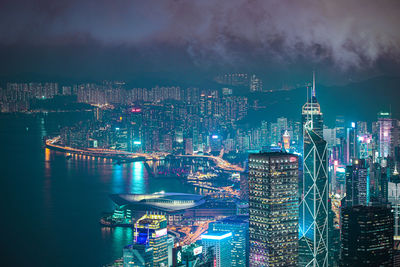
235,219
161,201
216,235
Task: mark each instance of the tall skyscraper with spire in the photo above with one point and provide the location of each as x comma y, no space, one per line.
313,188
311,112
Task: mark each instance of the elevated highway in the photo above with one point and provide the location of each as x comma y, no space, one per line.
125,156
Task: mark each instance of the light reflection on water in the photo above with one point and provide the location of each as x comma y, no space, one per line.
99,178
118,237
138,179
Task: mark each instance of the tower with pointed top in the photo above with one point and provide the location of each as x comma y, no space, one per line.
313,188
311,112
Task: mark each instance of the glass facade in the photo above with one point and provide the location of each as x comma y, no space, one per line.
221,244
273,205
151,230
356,183
385,124
313,188
394,199
239,226
138,255
367,236
313,224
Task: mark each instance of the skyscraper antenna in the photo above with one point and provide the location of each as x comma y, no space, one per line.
312,100
306,104
313,84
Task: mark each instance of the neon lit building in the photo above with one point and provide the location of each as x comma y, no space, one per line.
313,223
365,146
351,143
385,124
151,230
221,243
273,206
190,255
286,140
239,227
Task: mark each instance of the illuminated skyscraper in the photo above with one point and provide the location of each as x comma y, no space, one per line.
313,223
367,236
340,125
286,140
273,200
311,113
239,227
356,184
282,127
378,184
151,230
385,124
351,143
365,146
221,243
394,199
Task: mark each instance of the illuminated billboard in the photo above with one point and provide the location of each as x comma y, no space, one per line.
197,251
161,232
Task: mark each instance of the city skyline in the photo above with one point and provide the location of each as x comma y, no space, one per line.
182,133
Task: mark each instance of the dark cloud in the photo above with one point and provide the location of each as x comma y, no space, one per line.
348,35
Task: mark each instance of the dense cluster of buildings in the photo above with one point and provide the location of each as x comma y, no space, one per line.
314,195
159,119
17,97
333,202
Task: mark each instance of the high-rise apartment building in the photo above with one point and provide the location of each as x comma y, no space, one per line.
255,84
273,205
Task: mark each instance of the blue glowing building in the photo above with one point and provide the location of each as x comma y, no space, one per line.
221,244
239,227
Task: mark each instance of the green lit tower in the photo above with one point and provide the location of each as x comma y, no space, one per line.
313,189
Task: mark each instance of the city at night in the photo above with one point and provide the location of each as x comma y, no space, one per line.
211,133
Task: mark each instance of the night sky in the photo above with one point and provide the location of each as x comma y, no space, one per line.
282,41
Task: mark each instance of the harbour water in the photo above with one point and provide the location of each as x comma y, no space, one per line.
51,205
